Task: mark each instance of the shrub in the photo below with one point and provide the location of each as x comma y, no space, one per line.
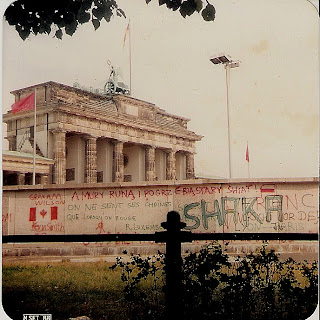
216,286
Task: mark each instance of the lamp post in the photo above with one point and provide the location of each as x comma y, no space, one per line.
228,64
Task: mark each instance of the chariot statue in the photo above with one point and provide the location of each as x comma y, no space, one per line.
113,85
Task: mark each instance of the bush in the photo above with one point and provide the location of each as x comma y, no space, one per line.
215,286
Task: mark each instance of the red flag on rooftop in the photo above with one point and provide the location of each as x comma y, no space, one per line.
26,103
247,153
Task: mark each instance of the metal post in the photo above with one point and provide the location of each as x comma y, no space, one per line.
227,67
228,64
173,262
34,138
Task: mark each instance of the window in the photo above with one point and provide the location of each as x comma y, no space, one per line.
70,174
100,176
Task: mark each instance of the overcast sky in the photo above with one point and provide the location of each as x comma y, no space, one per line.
274,93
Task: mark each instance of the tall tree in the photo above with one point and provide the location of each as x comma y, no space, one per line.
64,16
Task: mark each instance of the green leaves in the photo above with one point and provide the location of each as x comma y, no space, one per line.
64,16
208,13
58,34
23,32
189,7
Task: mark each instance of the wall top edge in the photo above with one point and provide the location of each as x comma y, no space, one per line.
176,183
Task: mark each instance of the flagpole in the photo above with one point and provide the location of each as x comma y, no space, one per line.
34,138
248,160
130,55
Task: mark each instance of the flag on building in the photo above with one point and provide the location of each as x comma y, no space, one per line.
126,33
247,153
24,104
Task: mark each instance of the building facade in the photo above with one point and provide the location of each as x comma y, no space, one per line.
95,138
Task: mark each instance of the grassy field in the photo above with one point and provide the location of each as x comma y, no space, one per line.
64,290
68,289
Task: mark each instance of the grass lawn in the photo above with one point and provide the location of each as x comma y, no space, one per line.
63,289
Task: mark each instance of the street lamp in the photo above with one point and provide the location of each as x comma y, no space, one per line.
228,64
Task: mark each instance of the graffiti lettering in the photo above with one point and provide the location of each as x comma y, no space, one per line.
86,216
309,216
133,204
158,204
288,216
191,217
288,226
274,204
57,227
294,204
87,195
207,207
151,227
111,205
121,194
126,218
158,192
196,190
49,202
206,215
90,206
242,189
247,208
230,206
304,200
74,207
6,217
72,217
54,196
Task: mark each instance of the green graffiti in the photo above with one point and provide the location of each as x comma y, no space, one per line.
247,207
215,213
188,216
274,204
230,206
226,210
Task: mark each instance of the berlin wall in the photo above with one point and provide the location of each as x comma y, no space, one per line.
269,206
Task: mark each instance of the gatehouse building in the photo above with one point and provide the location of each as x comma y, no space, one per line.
85,137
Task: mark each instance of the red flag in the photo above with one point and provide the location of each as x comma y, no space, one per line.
32,214
125,35
26,103
247,153
54,213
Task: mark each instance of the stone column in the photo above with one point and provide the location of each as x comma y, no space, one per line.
118,166
12,143
190,166
21,178
171,165
59,155
91,160
150,163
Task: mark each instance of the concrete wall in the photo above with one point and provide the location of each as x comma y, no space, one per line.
268,206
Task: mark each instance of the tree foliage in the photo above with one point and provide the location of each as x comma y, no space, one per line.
64,16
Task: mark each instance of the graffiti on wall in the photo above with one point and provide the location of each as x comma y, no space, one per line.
204,208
